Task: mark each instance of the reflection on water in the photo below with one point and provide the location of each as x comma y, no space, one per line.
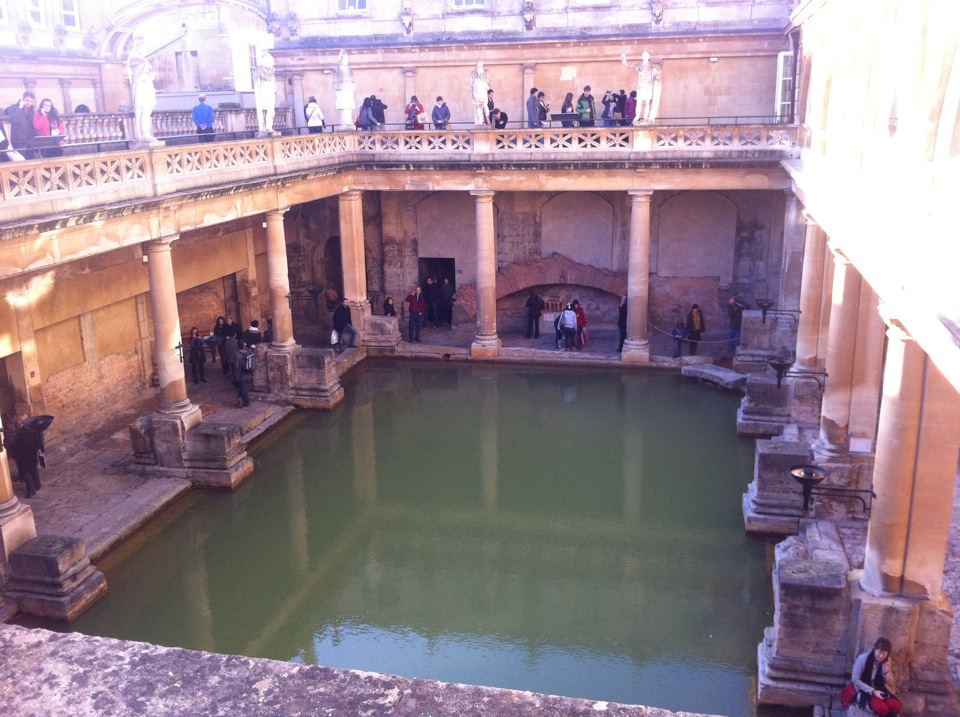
567,532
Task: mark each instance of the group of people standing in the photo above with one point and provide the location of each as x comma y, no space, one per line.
28,122
415,115
233,346
432,303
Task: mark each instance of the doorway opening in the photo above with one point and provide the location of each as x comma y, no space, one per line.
439,268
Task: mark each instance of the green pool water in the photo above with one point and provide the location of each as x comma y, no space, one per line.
570,532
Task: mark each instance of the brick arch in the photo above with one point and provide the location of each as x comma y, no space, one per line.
551,270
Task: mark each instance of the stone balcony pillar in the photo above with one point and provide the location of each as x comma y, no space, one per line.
834,436
636,348
66,97
918,440
808,331
166,328
298,102
278,280
486,344
353,258
16,519
410,86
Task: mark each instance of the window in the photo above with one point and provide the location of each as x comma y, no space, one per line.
68,10
468,3
351,5
784,91
35,12
253,66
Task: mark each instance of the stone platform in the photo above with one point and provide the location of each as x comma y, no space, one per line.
49,674
717,375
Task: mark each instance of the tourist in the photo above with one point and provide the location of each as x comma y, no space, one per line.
696,327
219,336
534,311
314,116
430,295
499,118
440,115
81,109
27,452
268,334
622,321
203,119
567,108
679,337
389,308
232,347
197,356
417,306
621,110
46,121
252,336
413,112
533,109
446,302
490,104
342,324
735,313
543,107
232,328
378,110
366,120
567,323
22,130
609,103
630,109
582,336
586,108
872,682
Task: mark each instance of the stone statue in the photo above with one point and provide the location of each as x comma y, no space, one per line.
265,93
141,74
479,84
344,86
406,16
648,88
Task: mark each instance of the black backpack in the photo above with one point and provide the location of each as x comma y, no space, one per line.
248,360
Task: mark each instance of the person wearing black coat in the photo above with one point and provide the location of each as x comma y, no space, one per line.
622,321
197,356
534,310
343,325
378,109
27,447
22,130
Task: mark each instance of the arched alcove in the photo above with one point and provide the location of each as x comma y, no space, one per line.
446,228
578,225
696,236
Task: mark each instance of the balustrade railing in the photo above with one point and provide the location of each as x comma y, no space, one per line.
83,181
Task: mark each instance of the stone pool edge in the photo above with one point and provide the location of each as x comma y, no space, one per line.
82,676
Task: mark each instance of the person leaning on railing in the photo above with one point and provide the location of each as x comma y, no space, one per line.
440,114
414,114
313,115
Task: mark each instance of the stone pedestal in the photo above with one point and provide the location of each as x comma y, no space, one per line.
303,377
765,408
381,334
485,347
804,658
52,577
761,340
773,502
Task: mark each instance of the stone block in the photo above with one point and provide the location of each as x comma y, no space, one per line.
773,501
805,399
51,576
717,375
17,526
765,408
141,440
381,334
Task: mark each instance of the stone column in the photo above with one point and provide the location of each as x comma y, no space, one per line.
16,519
810,294
166,327
65,95
841,351
793,249
279,282
918,440
636,349
529,72
486,344
410,87
298,102
101,103
353,258
867,372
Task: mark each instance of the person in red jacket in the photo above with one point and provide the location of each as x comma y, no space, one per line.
417,308
47,123
581,324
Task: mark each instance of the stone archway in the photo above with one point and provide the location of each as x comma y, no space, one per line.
326,264
578,225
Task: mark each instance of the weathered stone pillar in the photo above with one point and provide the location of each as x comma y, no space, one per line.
166,327
279,282
636,349
16,519
810,295
65,94
353,260
793,249
529,70
841,345
298,102
867,372
101,102
918,440
410,87
486,344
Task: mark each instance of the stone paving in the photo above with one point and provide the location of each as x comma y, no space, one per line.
82,676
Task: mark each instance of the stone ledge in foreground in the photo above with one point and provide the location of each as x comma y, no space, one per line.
51,674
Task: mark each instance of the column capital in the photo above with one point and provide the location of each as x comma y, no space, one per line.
896,331
276,215
483,195
65,83
809,220
529,67
640,195
409,71
838,255
161,244
351,195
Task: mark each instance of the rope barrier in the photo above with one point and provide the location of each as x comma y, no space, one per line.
699,341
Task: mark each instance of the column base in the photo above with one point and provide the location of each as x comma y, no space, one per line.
360,311
17,526
289,346
773,502
485,347
636,351
303,377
